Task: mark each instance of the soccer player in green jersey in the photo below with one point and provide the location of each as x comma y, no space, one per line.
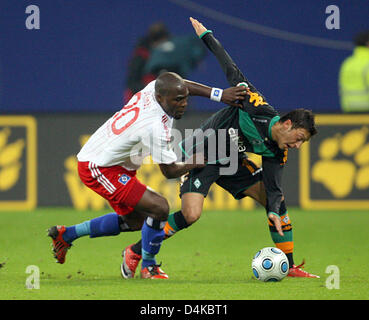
255,127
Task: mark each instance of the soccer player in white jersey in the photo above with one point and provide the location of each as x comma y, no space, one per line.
107,164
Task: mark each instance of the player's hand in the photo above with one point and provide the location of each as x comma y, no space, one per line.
231,96
276,220
198,26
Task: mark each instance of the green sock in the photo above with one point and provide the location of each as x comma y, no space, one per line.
176,222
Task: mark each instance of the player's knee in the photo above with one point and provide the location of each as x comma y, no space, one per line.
191,215
160,209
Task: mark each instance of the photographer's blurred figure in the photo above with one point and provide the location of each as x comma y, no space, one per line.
136,78
159,52
354,77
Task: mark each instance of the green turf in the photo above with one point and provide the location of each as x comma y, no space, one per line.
210,260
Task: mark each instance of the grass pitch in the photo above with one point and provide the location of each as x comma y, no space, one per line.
209,261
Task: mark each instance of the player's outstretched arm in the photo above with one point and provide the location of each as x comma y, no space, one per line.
272,178
229,96
233,74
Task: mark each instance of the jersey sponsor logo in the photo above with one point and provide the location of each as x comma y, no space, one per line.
124,179
255,98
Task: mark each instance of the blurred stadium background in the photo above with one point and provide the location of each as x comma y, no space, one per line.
58,83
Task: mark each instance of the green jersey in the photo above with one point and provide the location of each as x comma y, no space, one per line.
249,128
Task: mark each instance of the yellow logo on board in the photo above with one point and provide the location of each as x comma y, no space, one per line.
81,196
341,175
10,159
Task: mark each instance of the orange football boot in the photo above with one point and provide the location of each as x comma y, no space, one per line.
60,247
130,262
153,272
296,271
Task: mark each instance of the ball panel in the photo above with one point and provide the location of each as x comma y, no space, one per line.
267,264
284,266
256,274
257,254
276,250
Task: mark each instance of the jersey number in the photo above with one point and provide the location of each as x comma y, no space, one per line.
125,110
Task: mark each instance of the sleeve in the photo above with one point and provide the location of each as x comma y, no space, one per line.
255,103
272,178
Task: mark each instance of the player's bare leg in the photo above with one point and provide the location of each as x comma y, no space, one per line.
192,204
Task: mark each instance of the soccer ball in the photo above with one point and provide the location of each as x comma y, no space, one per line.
270,264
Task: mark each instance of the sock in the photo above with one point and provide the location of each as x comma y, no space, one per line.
152,236
176,222
290,259
74,232
107,225
137,247
284,243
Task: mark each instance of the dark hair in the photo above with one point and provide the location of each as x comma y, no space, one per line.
301,118
362,38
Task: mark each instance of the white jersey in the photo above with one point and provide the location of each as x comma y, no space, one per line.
140,129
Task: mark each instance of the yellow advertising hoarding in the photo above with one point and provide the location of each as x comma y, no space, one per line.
332,169
18,163
334,165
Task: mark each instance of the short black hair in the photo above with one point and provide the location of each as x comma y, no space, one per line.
301,118
362,38
166,82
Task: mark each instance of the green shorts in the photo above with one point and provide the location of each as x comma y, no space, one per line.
200,180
